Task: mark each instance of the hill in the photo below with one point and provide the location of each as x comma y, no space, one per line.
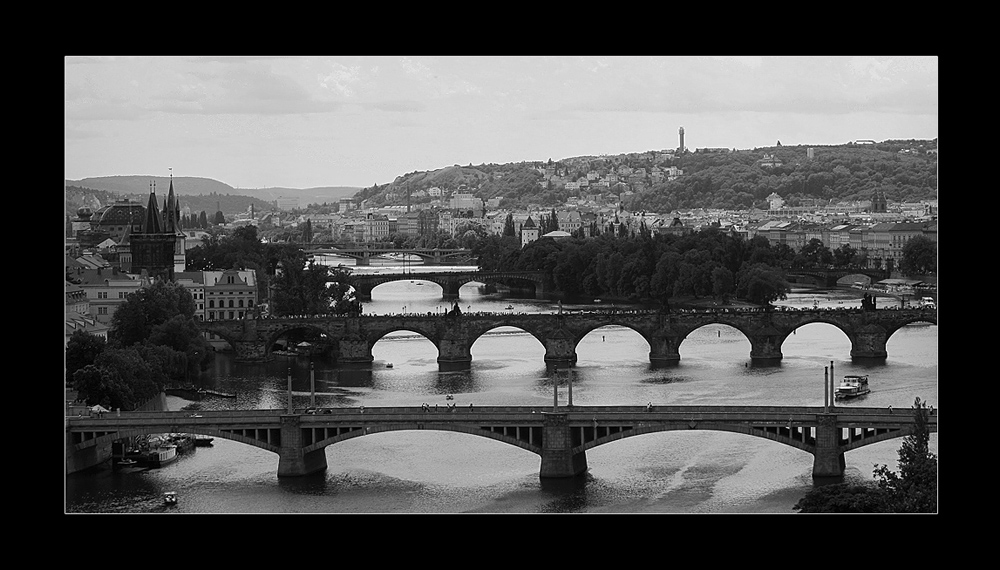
200,194
802,175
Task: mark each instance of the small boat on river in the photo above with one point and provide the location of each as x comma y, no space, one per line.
852,386
170,498
203,441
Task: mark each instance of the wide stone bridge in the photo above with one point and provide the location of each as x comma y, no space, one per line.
451,281
561,436
351,338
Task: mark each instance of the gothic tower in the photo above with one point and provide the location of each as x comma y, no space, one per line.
153,249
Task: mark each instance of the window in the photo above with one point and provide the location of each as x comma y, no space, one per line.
102,294
241,303
102,310
211,304
230,305
122,294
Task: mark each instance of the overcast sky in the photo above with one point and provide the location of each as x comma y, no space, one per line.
306,121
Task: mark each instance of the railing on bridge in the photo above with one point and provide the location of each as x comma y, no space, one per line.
560,434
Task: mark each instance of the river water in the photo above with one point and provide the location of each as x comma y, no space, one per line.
444,472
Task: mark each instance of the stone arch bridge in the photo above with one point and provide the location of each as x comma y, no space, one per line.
452,281
561,436
351,338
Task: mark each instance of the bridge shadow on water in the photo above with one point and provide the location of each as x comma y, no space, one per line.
566,495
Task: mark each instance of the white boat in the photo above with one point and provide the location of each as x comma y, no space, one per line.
928,303
170,498
852,386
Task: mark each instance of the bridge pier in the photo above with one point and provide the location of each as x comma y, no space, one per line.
869,342
450,288
765,348
292,461
828,460
250,351
664,350
452,351
560,347
363,292
558,459
354,349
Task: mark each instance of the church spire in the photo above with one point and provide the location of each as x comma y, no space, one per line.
172,210
152,225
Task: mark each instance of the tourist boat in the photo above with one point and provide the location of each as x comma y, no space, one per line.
852,386
388,365
170,498
510,307
203,440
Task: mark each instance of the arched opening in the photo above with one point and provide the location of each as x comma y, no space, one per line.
512,358
807,356
716,345
612,346
404,351
697,471
405,296
302,341
433,467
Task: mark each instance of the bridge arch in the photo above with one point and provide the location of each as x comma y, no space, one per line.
428,426
105,440
740,429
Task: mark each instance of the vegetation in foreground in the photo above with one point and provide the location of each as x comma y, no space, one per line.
912,490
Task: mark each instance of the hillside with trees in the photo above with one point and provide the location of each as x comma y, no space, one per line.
906,170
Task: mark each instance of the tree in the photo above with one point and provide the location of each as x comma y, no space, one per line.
146,308
220,218
761,284
312,289
912,490
508,226
203,220
81,350
919,256
119,378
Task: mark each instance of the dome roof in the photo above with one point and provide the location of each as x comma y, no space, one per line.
121,213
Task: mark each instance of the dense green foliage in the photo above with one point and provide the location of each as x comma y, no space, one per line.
154,340
919,256
311,289
298,288
912,490
647,267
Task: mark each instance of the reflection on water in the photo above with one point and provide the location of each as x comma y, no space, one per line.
441,472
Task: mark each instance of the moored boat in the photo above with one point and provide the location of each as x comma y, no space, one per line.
852,386
170,498
159,456
203,440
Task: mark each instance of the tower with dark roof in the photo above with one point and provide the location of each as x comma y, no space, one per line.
152,250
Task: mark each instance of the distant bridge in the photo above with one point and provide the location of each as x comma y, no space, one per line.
363,255
829,277
351,338
452,281
560,435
